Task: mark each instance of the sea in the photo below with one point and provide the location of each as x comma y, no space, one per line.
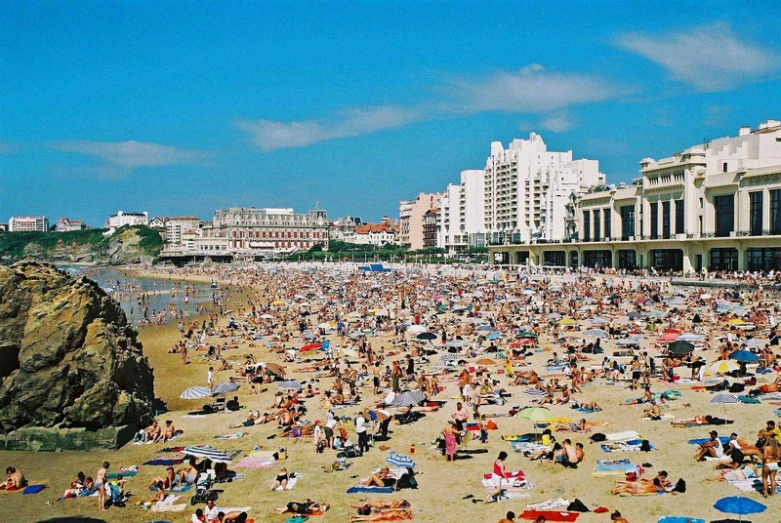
140,297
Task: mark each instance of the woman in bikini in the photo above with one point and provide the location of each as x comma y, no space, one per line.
770,457
394,514
281,480
100,484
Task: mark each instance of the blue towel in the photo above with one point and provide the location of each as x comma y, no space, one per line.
623,467
164,462
33,489
129,474
680,519
297,519
699,441
369,490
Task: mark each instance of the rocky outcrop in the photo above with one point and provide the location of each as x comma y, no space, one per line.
68,357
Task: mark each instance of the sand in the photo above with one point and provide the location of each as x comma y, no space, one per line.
442,485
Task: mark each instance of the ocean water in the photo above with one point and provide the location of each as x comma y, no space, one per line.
146,297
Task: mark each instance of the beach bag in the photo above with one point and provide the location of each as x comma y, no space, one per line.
491,425
737,387
577,506
680,486
645,446
596,438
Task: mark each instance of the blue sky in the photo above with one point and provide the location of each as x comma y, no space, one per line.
182,108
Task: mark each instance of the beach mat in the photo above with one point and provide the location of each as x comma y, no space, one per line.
550,515
360,489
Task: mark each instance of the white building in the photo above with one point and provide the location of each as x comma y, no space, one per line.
175,228
462,213
66,224
28,224
122,219
715,206
157,222
378,234
526,188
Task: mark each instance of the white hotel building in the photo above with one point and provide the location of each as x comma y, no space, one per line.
28,224
526,188
277,230
461,214
715,206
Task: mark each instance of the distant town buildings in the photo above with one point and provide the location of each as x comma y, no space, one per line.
66,224
3,227
713,206
122,219
177,228
157,222
378,235
28,224
411,218
343,229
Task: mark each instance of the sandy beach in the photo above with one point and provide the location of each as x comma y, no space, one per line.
443,486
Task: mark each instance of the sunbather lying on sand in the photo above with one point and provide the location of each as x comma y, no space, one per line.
308,507
639,487
381,504
394,514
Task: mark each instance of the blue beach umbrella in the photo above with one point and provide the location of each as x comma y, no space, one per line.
397,460
744,356
739,505
494,335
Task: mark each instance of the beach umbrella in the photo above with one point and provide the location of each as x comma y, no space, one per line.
526,334
426,336
485,361
724,399
689,337
494,336
535,414
196,393
739,505
207,452
226,387
753,342
400,461
289,385
416,329
596,333
744,356
724,366
680,347
736,321
448,357
408,398
311,346
567,321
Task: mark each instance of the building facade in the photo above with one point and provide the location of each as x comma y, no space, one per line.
378,234
28,224
411,215
122,219
66,224
461,214
176,228
526,189
715,206
250,230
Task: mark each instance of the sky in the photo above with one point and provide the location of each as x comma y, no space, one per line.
181,108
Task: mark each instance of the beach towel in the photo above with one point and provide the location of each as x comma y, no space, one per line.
699,441
624,446
549,504
516,474
550,515
361,489
297,519
165,507
520,438
291,482
231,478
679,519
622,436
30,484
235,435
33,489
165,462
255,463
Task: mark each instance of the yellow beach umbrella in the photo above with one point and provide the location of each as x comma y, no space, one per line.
566,321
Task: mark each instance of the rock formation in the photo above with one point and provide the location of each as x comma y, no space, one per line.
68,357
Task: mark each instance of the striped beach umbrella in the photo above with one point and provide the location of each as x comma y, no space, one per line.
724,366
289,385
196,393
408,398
448,357
398,460
724,399
226,387
207,452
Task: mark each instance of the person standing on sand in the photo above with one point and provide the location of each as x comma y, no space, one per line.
210,378
449,433
100,484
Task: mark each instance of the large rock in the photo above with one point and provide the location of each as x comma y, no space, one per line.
69,360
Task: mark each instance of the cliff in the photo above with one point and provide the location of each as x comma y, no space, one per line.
127,245
70,363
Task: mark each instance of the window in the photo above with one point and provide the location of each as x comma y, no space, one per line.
679,217
666,219
586,226
724,208
654,220
597,259
627,221
755,213
667,259
597,235
723,259
606,214
725,167
775,211
627,259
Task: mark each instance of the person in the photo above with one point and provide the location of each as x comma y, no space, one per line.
100,485
771,431
232,517
617,518
170,431
210,378
499,473
483,430
211,511
451,446
187,475
198,517
397,514
770,457
168,481
383,478
281,480
509,518
363,435
14,479
378,504
308,507
712,448
460,415
233,405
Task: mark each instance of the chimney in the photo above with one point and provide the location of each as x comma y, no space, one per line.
744,131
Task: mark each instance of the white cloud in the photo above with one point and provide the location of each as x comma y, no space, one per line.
711,58
272,135
558,122
130,154
530,90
